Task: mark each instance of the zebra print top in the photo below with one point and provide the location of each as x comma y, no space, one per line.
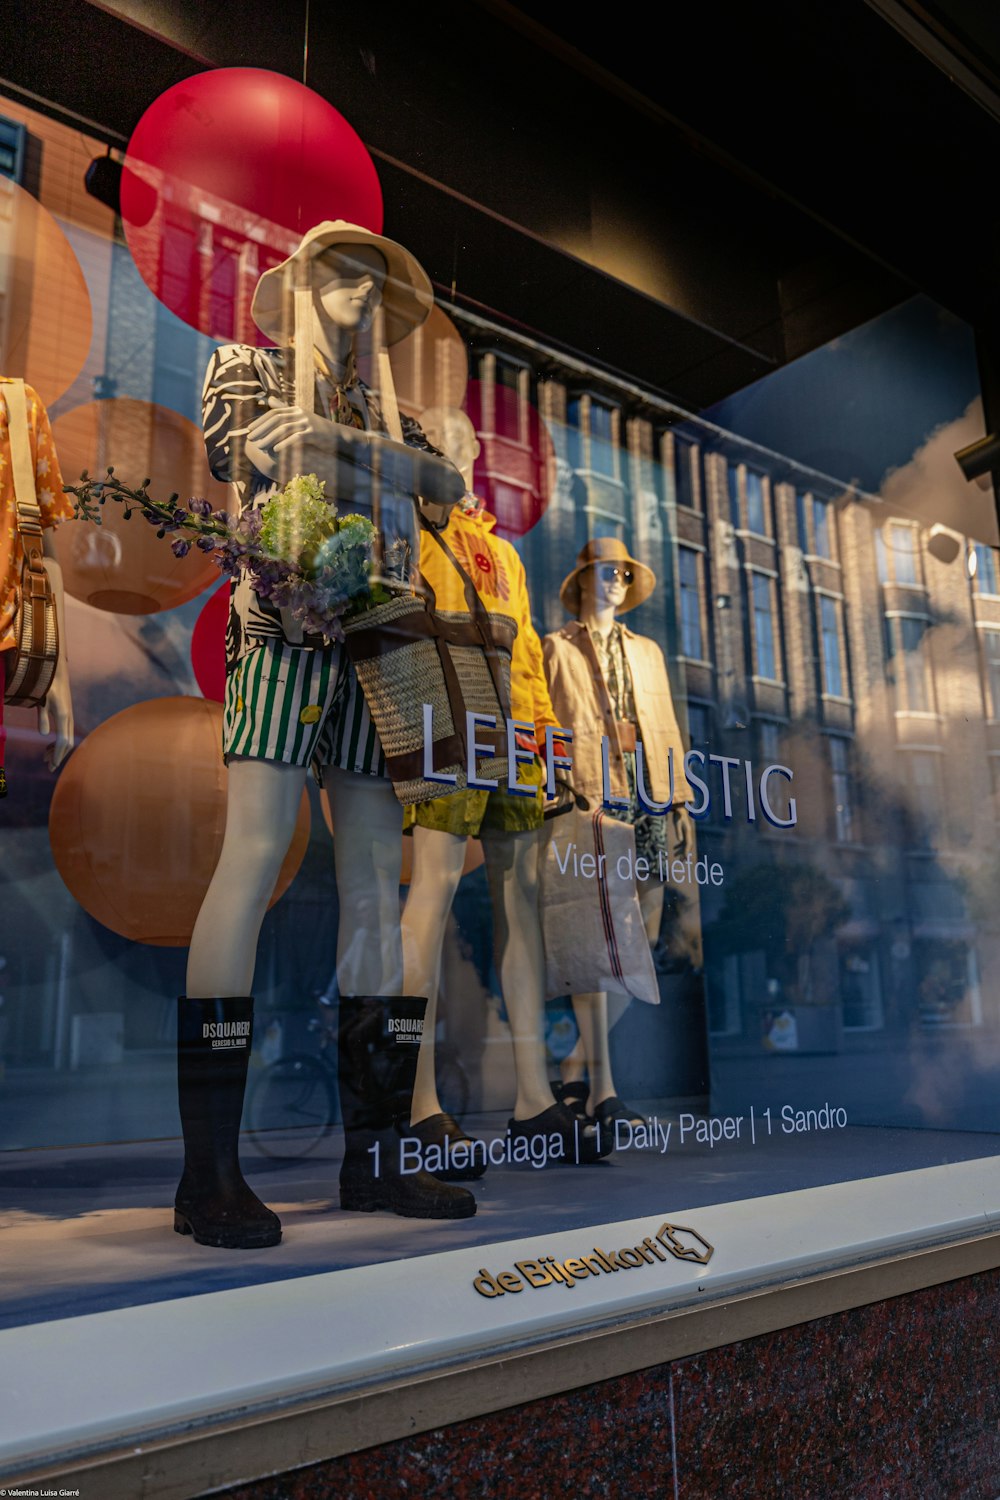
241,384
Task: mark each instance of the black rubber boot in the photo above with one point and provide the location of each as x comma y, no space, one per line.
379,1038
213,1201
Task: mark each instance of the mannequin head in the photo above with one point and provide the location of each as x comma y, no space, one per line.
347,283
449,429
603,587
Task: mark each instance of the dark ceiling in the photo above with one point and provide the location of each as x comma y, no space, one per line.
692,195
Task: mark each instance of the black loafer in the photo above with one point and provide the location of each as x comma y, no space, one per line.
444,1131
611,1109
585,1142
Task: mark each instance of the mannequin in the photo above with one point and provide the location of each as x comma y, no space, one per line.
605,679
509,827
54,506
293,701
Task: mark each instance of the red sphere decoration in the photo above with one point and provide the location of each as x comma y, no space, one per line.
243,160
208,645
515,470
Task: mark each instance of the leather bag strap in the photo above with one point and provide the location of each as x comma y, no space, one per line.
28,518
479,613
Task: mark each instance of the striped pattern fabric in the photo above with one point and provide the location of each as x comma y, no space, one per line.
302,707
273,677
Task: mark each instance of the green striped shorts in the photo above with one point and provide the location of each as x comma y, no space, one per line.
300,705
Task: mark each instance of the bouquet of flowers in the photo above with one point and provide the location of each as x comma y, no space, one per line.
296,550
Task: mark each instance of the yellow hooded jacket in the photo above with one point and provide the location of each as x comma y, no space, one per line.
498,575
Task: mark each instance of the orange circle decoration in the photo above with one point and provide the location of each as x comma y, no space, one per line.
430,367
123,566
46,325
138,816
473,848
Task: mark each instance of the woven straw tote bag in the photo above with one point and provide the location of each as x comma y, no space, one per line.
408,653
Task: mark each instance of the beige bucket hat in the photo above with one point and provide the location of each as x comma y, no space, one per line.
407,297
607,549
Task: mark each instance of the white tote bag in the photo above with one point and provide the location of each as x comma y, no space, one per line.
591,921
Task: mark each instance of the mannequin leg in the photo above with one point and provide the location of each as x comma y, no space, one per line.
512,872
437,869
367,833
263,803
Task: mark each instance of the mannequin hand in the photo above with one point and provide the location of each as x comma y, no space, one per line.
57,711
289,427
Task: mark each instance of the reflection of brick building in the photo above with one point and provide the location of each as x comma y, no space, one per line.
804,624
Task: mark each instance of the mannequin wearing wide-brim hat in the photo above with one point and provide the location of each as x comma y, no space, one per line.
291,701
607,681
309,297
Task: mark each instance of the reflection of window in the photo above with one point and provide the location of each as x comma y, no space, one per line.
12,136
896,553
860,989
986,570
507,374
691,634
843,811
724,1009
603,459
829,625
733,486
907,647
699,717
684,459
756,519
903,546
991,654
768,742
763,626
821,528
947,983
925,795
800,520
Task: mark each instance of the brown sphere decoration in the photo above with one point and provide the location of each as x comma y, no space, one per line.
46,326
430,367
123,566
138,816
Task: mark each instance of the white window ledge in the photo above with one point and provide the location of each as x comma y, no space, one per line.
82,1385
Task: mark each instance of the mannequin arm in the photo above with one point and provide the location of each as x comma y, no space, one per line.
57,711
287,440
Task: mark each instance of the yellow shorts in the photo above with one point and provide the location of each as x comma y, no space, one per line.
473,812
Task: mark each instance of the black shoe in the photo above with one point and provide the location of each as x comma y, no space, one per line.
575,1095
585,1142
611,1109
379,1038
443,1131
214,1203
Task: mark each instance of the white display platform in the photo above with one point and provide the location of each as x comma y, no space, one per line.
79,1384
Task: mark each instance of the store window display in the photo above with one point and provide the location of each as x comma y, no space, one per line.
293,700
509,823
31,505
611,685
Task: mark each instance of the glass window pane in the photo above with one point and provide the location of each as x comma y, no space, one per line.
756,519
691,632
763,622
833,681
821,528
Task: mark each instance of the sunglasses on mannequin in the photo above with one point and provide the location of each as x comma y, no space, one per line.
610,572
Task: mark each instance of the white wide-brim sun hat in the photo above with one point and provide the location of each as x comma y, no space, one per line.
407,297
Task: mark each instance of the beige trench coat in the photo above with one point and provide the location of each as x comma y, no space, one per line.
581,702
